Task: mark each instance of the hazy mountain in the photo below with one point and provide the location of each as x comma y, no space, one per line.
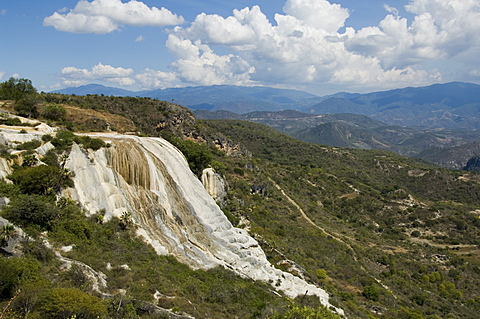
96,89
240,99
452,105
455,157
224,94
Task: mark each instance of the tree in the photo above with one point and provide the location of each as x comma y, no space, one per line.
16,89
23,93
26,106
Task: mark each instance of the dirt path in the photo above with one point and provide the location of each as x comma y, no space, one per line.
335,236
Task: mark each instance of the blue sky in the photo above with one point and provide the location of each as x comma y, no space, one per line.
318,46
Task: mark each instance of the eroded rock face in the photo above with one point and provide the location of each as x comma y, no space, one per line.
214,184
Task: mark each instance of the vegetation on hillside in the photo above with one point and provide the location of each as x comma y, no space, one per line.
386,236
40,285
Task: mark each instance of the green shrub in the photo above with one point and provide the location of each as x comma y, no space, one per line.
71,303
12,121
55,112
13,272
295,311
32,210
88,142
198,156
371,293
30,145
63,140
41,180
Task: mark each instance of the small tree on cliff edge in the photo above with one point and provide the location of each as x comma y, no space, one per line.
23,93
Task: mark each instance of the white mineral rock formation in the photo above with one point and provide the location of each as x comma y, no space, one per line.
151,179
213,183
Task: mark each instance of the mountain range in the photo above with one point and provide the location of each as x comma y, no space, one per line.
454,105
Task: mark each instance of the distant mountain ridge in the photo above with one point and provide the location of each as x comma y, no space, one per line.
454,105
217,97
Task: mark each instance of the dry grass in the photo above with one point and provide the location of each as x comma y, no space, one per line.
91,120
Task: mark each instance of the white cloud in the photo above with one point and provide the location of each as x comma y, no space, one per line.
307,46
320,14
198,64
2,74
304,47
441,29
105,16
3,12
151,79
72,76
392,10
140,38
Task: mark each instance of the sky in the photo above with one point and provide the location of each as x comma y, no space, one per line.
318,46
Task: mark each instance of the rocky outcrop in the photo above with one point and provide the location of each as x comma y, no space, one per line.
215,185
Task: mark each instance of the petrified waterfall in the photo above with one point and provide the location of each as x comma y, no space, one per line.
150,179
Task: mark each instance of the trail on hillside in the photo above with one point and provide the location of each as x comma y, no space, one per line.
334,235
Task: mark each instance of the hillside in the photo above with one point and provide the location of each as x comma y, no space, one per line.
385,236
449,106
367,218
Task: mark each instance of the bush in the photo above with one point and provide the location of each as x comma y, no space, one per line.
63,140
198,155
295,311
12,121
30,145
88,142
71,303
32,210
41,180
371,293
55,112
14,271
